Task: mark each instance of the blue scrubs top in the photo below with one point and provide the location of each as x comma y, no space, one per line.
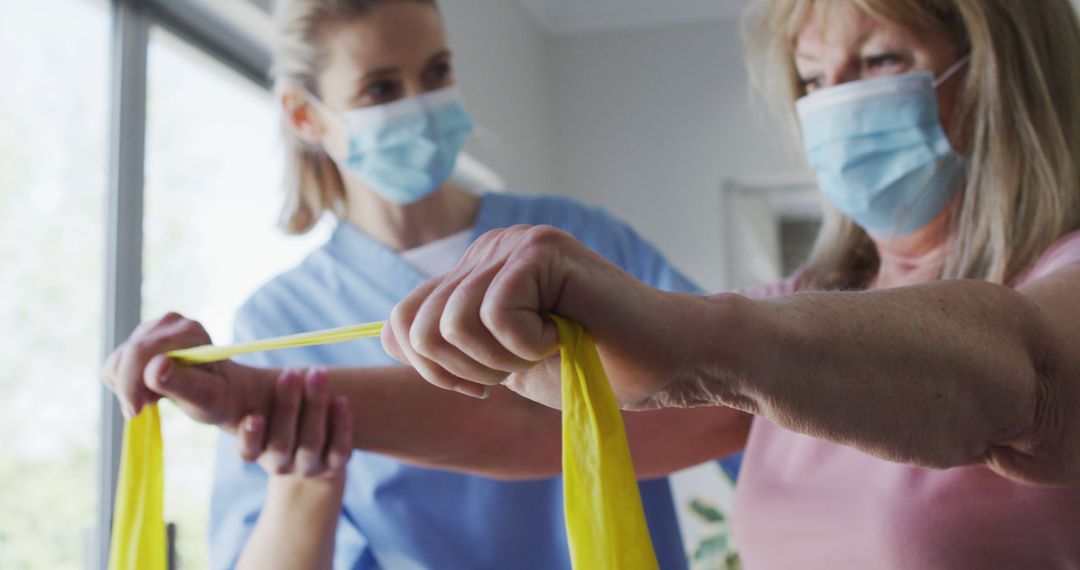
396,516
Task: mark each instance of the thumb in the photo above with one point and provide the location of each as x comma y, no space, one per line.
200,394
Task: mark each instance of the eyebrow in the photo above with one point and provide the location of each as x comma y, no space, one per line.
858,43
440,55
383,72
377,73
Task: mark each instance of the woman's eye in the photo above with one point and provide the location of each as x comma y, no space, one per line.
882,60
381,92
810,84
439,74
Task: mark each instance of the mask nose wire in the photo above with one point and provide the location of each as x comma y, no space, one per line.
952,70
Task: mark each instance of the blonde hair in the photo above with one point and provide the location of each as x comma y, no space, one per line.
1018,112
313,183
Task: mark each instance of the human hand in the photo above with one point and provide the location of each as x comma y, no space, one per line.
138,372
307,434
485,322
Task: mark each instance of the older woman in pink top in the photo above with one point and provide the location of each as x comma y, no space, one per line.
911,399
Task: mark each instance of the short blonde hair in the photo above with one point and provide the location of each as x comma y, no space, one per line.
313,184
1019,107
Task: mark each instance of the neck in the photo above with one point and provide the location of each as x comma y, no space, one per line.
915,258
444,212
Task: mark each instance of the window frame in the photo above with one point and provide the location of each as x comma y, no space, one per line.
131,21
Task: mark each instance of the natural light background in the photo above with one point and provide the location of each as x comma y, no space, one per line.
52,189
213,190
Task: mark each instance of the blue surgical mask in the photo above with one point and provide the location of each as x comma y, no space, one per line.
879,151
405,150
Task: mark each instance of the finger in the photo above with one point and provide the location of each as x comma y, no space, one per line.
108,369
405,310
312,434
462,326
339,442
400,322
284,414
426,335
250,437
514,310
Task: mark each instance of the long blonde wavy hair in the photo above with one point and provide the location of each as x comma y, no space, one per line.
1019,107
313,183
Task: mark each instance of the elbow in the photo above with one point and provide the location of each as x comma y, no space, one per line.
1047,451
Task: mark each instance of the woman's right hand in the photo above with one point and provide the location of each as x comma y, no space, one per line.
307,433
139,373
304,444
486,322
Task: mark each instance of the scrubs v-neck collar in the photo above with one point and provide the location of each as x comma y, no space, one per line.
350,245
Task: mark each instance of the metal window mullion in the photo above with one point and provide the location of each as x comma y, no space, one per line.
198,24
124,218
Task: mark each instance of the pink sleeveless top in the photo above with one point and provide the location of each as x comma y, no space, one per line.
804,503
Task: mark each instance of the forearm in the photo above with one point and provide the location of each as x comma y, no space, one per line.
506,436
296,526
396,413
938,375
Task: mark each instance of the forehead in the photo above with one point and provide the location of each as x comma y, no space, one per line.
841,25
392,34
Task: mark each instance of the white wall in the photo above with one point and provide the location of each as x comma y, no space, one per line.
649,124
503,65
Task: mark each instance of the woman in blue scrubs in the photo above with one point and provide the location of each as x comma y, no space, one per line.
374,125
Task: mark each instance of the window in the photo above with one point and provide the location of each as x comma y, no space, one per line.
52,227
213,190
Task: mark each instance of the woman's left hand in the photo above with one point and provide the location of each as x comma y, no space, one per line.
486,322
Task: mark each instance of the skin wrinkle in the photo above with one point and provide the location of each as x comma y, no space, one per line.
894,437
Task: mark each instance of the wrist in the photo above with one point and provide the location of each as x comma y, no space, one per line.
731,338
709,356
252,391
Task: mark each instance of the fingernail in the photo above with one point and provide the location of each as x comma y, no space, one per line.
487,393
314,380
166,372
471,390
249,424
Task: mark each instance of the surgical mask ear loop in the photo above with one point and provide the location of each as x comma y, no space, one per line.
952,70
328,113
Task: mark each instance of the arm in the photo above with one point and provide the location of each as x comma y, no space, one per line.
395,412
509,437
307,449
950,373
940,375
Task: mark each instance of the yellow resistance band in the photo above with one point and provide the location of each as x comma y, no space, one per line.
138,533
605,522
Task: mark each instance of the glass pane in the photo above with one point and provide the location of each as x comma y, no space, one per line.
52,193
212,197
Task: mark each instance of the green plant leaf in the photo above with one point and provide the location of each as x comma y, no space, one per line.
711,548
706,511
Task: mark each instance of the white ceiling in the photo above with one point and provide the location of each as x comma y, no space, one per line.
566,17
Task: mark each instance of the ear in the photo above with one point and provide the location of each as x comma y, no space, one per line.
302,118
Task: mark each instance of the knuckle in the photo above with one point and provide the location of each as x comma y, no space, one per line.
169,318
542,238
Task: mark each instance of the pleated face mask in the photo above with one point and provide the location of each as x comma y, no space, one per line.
879,150
605,520
404,150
